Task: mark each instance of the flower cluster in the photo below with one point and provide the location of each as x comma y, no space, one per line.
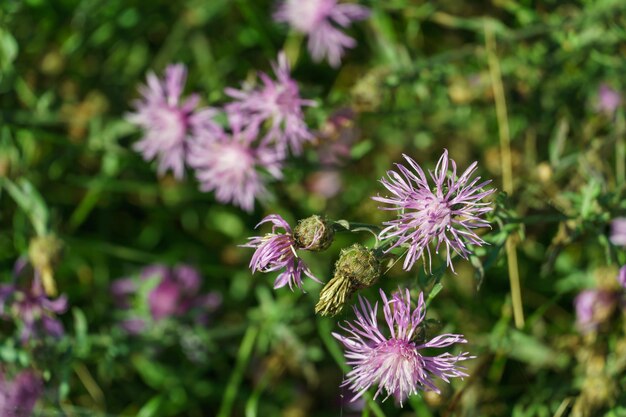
234,163
446,214
396,360
171,292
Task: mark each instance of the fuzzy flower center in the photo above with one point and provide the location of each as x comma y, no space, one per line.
173,121
287,97
234,161
434,217
396,364
305,15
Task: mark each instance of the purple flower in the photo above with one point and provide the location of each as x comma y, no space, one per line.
320,20
446,213
230,166
337,136
621,277
278,101
276,251
31,307
18,397
618,231
608,99
593,307
173,294
167,119
395,362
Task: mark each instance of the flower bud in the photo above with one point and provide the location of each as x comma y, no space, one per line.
44,253
357,268
314,233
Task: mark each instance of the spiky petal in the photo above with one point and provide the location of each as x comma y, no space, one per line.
394,360
321,20
276,251
277,101
445,214
167,119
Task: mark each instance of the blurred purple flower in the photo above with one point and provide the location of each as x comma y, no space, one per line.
230,166
593,307
608,99
278,101
447,213
621,277
276,251
396,362
174,294
325,183
30,306
166,120
18,397
336,138
320,19
618,231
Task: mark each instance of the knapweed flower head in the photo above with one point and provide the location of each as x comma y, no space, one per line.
173,292
276,251
445,213
167,120
618,231
276,101
394,360
19,396
336,138
231,166
321,20
26,303
608,99
593,307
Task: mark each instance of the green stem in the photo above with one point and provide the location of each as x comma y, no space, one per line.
243,356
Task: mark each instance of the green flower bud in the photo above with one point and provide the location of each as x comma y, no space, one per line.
357,268
314,233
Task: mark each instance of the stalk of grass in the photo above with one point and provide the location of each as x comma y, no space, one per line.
243,356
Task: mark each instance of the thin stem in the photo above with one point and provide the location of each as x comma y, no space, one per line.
243,356
507,166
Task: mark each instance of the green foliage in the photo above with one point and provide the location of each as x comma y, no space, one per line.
419,81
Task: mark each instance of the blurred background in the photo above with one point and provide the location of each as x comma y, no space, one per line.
547,76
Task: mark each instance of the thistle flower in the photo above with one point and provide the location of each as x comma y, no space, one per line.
30,307
174,294
278,101
18,397
618,231
166,119
609,99
276,251
320,19
446,214
593,307
230,166
396,362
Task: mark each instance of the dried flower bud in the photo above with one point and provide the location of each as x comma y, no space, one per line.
314,233
357,268
44,253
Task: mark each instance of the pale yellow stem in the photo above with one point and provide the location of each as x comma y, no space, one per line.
507,167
